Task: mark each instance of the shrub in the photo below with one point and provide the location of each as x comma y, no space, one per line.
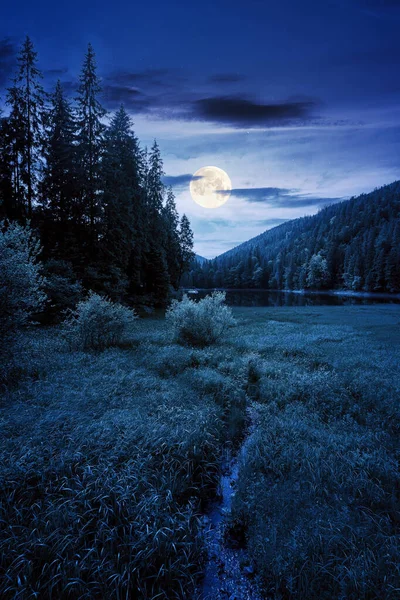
200,323
21,280
98,323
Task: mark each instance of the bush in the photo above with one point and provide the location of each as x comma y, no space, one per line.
200,323
21,280
98,323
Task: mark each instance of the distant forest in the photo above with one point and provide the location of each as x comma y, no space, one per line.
353,245
96,199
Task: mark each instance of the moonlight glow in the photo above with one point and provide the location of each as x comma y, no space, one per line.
210,187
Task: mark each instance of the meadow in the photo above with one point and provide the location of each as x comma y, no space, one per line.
108,459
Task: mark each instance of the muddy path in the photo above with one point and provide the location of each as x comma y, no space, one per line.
228,573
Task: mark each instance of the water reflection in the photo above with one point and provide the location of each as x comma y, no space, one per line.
274,298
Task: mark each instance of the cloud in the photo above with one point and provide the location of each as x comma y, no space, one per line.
8,53
114,95
271,222
174,94
241,112
281,197
179,181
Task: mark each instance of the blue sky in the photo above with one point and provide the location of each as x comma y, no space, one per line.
298,101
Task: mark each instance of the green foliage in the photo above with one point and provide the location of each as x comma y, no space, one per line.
26,101
62,288
354,245
316,500
104,460
96,198
200,323
98,323
317,272
21,286
108,458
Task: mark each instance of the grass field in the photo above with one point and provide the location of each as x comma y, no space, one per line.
107,459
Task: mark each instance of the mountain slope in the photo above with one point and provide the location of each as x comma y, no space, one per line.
200,259
354,245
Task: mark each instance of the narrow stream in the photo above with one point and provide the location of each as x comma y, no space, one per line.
228,573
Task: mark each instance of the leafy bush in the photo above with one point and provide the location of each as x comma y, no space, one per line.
21,279
98,323
200,323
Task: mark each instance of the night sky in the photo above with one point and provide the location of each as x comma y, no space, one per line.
299,102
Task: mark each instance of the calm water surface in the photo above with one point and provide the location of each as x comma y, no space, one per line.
275,298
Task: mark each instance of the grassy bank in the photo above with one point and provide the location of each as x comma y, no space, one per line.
318,494
107,458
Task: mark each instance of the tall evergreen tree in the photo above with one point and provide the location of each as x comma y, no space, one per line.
186,254
26,101
157,280
122,197
172,247
90,142
7,208
60,186
15,136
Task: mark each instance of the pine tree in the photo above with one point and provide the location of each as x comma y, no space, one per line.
7,208
156,266
60,186
90,142
26,101
122,197
186,245
16,137
171,218
155,186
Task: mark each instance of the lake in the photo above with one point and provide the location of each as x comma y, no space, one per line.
281,298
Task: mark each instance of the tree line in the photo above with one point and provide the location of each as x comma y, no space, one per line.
94,195
353,245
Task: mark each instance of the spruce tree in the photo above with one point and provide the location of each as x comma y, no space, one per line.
156,267
90,142
171,218
26,101
60,186
7,207
186,254
121,200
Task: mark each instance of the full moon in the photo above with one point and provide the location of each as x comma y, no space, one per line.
210,187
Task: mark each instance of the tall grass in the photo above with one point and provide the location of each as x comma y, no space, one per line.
105,462
318,492
107,459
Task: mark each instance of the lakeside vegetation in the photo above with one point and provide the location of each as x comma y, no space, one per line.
94,198
113,428
108,458
352,245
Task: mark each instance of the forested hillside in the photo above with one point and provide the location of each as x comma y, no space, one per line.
94,197
353,245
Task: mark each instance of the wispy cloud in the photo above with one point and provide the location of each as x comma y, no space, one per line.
282,197
175,94
270,222
179,181
238,111
114,95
